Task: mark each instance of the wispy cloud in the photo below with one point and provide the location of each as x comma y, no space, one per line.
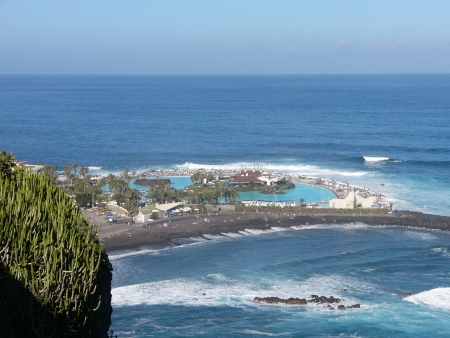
346,44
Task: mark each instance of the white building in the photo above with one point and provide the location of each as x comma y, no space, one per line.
352,201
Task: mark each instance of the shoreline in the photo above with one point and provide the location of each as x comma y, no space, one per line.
123,237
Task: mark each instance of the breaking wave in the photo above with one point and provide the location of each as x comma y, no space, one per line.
438,298
375,159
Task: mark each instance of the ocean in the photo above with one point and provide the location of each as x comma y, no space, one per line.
385,132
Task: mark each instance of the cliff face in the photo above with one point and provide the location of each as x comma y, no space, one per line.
55,278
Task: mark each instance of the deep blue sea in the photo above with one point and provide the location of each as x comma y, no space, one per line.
367,130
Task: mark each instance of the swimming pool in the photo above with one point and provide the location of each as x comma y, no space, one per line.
309,193
177,182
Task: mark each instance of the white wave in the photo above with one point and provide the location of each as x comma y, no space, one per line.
217,289
280,228
198,239
298,168
231,234
245,233
260,333
94,168
368,270
355,174
214,237
218,277
297,227
122,254
259,231
443,251
438,298
332,226
375,159
190,240
426,236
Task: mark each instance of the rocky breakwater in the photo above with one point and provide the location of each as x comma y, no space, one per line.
303,301
409,219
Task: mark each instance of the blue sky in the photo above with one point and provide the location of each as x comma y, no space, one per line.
224,37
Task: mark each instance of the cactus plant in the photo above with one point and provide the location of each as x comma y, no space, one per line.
51,259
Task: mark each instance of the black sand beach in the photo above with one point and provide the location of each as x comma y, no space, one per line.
122,236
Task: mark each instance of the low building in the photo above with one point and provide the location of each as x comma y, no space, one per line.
352,201
159,210
36,168
247,176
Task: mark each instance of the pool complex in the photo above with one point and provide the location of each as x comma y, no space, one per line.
308,192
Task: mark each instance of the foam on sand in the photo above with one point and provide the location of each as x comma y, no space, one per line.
259,231
281,228
438,298
131,253
231,234
214,237
375,159
190,240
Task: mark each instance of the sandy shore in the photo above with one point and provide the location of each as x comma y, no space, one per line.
123,236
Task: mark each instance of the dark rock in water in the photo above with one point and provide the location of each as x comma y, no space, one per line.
277,300
301,301
401,294
297,301
323,299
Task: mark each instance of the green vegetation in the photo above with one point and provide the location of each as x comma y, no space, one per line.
55,278
121,191
197,193
265,189
161,192
217,191
87,190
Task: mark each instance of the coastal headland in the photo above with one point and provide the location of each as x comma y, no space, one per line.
124,236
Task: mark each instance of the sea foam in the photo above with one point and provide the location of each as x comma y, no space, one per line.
438,298
375,159
218,289
131,253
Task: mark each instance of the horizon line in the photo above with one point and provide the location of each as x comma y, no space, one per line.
221,74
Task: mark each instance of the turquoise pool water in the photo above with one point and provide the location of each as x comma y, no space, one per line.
308,192
177,182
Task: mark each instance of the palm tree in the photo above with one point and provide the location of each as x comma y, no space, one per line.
233,195
84,171
74,167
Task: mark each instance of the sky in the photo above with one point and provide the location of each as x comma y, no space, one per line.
224,37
